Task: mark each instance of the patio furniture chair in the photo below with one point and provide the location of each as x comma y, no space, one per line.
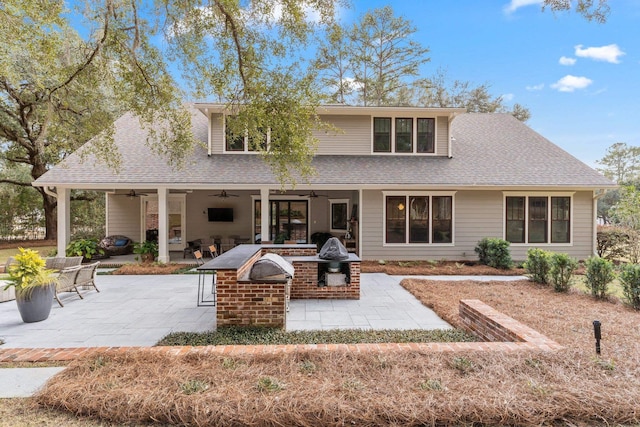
60,263
197,254
211,250
71,278
116,245
227,243
192,246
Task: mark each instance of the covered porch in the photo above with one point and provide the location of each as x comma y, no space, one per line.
176,216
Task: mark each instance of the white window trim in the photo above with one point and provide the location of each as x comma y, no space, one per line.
245,143
548,195
408,194
337,202
414,135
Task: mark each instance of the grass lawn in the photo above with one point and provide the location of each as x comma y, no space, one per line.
5,253
614,288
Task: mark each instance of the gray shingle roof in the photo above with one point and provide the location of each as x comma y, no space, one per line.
489,150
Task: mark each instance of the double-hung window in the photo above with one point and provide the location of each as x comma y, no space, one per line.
418,218
244,141
404,135
536,219
382,135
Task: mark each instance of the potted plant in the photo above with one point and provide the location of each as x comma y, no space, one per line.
34,285
148,250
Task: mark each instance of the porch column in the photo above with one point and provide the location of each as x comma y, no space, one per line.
264,214
163,224
64,219
360,223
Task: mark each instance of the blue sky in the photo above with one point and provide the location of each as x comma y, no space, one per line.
580,79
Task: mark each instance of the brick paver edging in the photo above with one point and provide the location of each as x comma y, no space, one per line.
478,317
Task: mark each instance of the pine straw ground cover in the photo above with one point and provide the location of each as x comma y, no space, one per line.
568,387
436,268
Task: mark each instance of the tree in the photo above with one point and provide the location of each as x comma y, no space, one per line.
334,58
439,91
627,211
597,12
621,163
57,90
384,55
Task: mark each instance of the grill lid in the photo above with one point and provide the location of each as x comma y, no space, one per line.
271,266
333,250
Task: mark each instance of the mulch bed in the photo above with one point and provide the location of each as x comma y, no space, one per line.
568,387
436,268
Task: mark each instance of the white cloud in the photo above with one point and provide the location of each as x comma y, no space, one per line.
535,87
570,83
566,61
508,97
517,4
610,53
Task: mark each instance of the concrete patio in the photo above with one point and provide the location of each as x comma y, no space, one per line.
140,310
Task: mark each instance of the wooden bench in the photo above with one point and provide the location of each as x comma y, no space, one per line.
71,278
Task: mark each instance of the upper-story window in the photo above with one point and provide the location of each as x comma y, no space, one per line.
404,135
243,142
382,135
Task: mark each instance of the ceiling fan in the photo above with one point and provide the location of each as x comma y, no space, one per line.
312,195
131,194
223,194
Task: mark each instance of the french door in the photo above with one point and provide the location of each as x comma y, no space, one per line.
288,220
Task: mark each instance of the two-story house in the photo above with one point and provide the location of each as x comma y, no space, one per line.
405,182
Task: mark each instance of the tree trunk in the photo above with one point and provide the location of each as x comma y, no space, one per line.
50,217
49,203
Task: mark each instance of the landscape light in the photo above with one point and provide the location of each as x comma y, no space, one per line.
598,335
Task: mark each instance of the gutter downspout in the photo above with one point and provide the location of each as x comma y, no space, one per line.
597,194
450,136
209,133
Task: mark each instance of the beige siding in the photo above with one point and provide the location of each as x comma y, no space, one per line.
353,135
123,216
477,214
442,136
217,134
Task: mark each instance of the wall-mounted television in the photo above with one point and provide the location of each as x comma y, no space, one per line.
220,214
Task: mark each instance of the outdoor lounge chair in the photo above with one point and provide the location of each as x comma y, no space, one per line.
78,276
116,245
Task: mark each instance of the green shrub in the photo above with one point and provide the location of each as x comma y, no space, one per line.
538,265
630,281
612,241
494,252
562,269
599,274
86,248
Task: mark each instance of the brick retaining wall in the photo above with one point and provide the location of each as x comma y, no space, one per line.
492,326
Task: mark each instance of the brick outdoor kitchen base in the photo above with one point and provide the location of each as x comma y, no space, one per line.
477,317
263,302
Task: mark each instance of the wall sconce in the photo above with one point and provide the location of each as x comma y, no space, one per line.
401,206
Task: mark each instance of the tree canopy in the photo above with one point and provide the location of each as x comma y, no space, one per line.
59,89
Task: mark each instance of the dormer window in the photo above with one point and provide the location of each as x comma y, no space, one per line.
404,135
243,143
